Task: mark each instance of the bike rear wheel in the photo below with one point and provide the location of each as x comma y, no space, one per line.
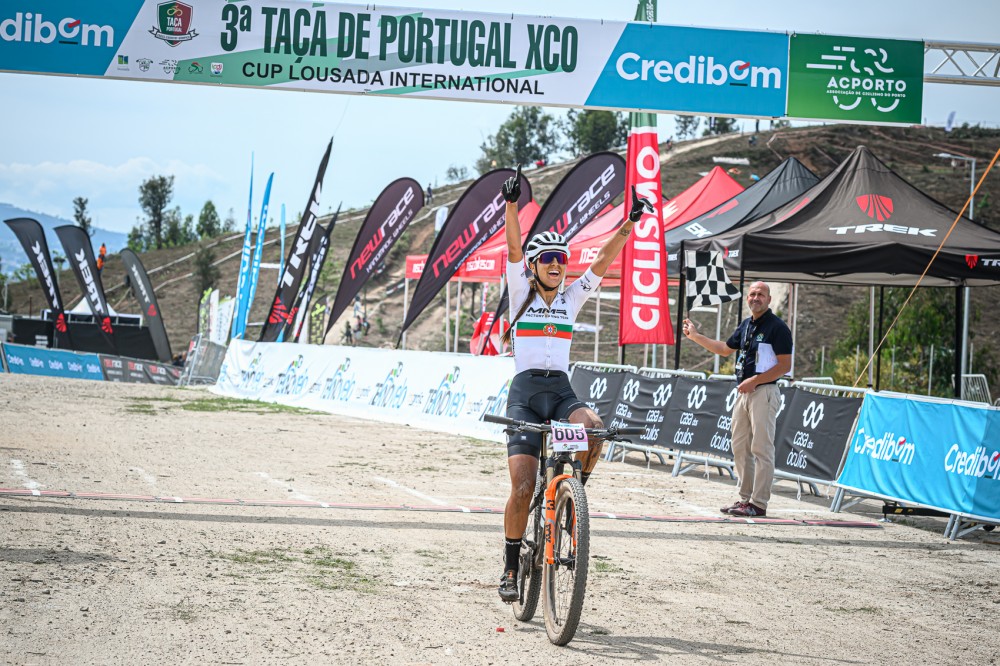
565,580
529,576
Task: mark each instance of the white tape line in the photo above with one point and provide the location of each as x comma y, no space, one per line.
417,493
26,480
281,484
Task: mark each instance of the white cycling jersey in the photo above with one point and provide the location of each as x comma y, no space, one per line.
543,335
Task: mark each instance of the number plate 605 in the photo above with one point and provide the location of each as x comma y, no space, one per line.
568,437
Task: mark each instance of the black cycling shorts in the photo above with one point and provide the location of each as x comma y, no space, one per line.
538,396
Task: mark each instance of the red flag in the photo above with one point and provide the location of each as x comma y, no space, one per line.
644,317
491,343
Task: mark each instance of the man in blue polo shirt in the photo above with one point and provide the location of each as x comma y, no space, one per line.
764,354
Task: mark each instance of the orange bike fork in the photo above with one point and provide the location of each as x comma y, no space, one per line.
550,516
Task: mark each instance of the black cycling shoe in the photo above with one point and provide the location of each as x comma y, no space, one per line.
508,587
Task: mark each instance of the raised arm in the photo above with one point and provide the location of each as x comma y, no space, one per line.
613,246
511,191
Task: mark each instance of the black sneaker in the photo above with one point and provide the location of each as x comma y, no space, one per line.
736,505
508,587
749,510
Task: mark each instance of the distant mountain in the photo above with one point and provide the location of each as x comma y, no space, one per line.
13,256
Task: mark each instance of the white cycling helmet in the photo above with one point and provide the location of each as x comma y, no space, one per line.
547,241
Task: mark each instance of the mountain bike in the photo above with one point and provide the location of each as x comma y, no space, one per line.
555,548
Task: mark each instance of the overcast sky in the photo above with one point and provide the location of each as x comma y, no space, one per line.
63,137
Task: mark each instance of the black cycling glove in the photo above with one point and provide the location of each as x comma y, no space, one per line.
638,206
511,188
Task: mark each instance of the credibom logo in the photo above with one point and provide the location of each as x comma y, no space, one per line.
981,463
698,70
34,28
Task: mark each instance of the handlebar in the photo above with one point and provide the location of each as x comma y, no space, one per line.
600,433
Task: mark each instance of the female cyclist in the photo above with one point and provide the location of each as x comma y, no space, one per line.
541,333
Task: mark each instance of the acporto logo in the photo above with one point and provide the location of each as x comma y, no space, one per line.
697,396
887,447
980,464
391,391
698,70
169,66
812,415
875,206
35,28
448,398
866,75
294,379
173,23
630,391
662,394
373,251
598,387
971,260
731,399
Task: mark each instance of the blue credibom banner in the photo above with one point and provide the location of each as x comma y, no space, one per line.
941,455
26,360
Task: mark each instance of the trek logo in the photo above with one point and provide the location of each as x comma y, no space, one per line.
697,230
34,29
142,285
888,447
981,463
93,295
589,204
374,249
173,23
699,70
43,267
662,394
875,206
306,232
888,228
697,396
971,260
598,388
812,415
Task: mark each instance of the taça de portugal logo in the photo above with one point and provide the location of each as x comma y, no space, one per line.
173,23
852,78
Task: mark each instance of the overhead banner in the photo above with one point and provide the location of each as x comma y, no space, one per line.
478,215
431,54
387,219
80,254
142,289
291,277
32,238
940,455
855,79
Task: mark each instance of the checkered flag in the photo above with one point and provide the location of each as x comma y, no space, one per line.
707,282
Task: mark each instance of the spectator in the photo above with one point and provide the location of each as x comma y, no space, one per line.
430,193
764,346
101,257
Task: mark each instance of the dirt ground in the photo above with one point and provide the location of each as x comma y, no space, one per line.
86,581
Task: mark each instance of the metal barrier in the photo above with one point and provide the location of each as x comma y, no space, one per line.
660,372
203,363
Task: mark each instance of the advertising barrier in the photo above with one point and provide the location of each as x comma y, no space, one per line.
135,371
430,390
810,441
21,359
937,454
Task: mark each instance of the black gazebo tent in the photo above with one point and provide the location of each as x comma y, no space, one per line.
785,182
863,225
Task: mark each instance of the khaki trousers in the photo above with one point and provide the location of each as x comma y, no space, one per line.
753,442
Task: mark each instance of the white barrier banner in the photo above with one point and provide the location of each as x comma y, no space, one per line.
429,390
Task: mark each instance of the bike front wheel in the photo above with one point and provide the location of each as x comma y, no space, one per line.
565,579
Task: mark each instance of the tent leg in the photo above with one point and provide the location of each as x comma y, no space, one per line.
958,342
678,334
878,359
871,334
458,311
406,304
739,317
795,320
447,315
718,336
